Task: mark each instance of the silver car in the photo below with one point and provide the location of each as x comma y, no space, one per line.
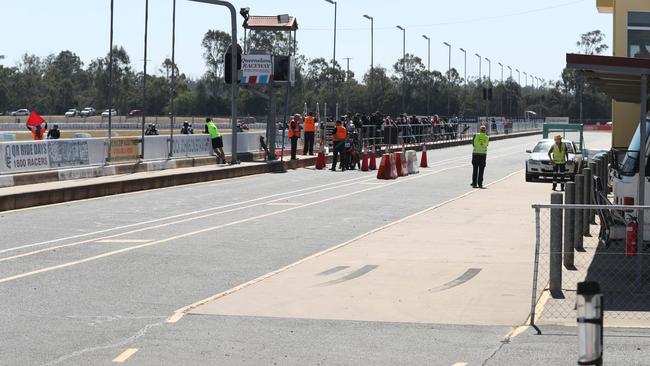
539,167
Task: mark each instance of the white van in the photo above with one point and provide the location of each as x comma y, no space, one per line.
625,171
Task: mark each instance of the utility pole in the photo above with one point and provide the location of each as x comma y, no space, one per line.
347,82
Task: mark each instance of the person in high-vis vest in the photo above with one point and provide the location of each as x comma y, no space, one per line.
339,135
310,133
479,156
217,140
294,135
558,154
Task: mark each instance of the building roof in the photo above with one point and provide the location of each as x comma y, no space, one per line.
271,23
618,77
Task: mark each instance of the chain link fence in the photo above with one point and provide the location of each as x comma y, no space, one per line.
576,243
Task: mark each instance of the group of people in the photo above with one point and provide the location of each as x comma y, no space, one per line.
41,132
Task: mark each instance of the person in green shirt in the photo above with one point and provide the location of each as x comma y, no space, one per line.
217,140
480,144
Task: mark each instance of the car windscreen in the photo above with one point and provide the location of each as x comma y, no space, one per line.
545,146
629,166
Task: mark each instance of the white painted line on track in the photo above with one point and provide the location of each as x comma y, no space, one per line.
178,314
123,241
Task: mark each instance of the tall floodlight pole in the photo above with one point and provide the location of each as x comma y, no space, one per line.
233,71
510,68
500,64
403,67
501,91
173,81
334,48
428,71
518,77
372,58
465,64
144,76
347,79
110,87
489,70
448,80
526,78
480,82
489,86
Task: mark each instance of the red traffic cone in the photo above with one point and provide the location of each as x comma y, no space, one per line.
423,161
373,161
320,160
364,163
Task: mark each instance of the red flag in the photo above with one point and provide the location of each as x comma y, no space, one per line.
34,119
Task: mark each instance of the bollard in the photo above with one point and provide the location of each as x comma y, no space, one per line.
605,171
586,199
594,173
589,316
577,228
555,262
569,199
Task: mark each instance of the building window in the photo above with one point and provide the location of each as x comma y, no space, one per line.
638,34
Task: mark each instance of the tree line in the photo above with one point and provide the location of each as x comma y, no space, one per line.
55,83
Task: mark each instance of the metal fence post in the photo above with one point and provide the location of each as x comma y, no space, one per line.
533,300
594,173
555,262
579,194
569,221
586,199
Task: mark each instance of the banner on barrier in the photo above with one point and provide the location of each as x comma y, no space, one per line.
67,153
26,156
193,145
125,149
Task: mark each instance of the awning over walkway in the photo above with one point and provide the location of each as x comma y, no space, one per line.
618,77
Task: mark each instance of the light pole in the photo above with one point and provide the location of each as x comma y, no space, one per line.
465,64
501,91
500,64
334,48
510,68
144,76
518,77
526,78
448,80
489,86
428,71
372,58
403,66
347,79
110,88
489,70
173,81
480,82
234,87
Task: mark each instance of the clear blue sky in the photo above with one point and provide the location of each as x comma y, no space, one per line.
532,36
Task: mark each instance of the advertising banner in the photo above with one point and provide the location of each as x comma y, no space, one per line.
24,156
125,149
256,69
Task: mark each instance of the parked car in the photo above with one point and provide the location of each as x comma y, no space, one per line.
135,113
539,167
72,113
20,112
87,112
113,113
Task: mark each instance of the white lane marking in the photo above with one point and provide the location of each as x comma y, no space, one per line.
293,194
460,364
285,204
171,217
123,241
178,314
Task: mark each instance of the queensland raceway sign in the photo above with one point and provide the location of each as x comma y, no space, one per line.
17,157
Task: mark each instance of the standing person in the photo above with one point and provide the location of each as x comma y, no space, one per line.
339,135
54,133
187,129
310,133
294,135
479,157
38,132
558,154
217,140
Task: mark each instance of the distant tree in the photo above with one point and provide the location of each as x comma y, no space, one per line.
592,43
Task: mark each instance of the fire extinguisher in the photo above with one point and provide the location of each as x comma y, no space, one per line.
631,231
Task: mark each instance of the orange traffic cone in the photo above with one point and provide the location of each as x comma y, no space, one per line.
399,164
364,163
384,167
423,161
373,161
320,160
393,166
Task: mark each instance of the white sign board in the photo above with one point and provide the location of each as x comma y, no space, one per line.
256,69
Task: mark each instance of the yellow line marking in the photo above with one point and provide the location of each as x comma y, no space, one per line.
123,241
124,250
517,331
125,355
178,314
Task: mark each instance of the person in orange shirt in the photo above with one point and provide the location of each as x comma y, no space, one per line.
339,135
294,135
37,132
310,133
